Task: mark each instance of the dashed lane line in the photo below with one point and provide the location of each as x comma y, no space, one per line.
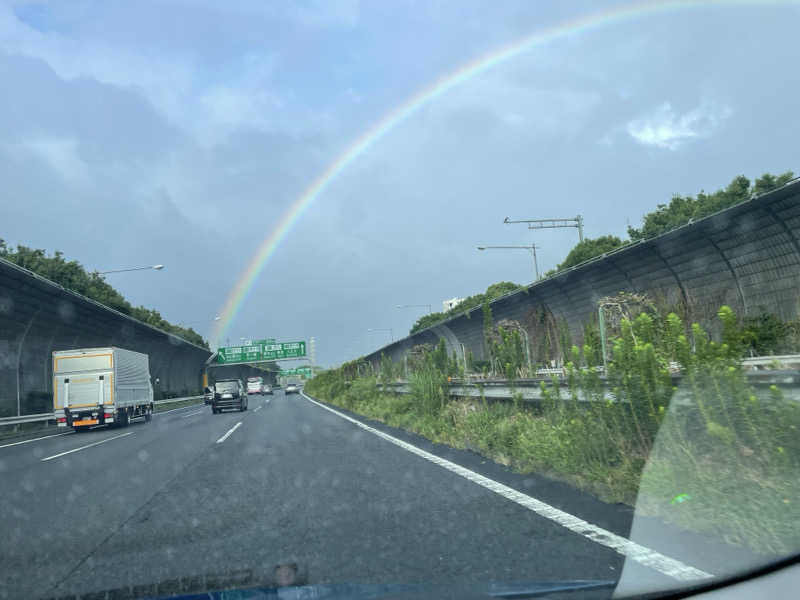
116,437
229,432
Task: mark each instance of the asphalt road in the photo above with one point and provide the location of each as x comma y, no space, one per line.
193,494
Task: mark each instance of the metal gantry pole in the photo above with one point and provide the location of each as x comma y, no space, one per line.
576,222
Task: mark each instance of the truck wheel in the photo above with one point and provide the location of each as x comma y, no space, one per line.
148,416
124,418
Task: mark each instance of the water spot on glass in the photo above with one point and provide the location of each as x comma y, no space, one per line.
143,455
75,491
66,310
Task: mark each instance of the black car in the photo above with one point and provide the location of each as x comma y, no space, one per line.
229,393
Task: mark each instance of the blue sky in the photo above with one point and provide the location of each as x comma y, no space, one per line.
179,132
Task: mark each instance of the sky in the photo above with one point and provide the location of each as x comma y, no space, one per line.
179,133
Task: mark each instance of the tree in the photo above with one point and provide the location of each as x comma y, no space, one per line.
767,183
589,248
683,209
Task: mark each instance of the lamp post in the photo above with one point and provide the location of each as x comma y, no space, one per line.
185,323
531,249
428,306
148,268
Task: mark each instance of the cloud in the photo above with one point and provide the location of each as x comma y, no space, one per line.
61,155
664,128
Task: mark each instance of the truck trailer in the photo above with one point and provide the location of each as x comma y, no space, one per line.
101,386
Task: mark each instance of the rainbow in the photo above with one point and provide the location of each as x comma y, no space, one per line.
436,89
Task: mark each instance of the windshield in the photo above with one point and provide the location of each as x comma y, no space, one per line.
536,266
227,386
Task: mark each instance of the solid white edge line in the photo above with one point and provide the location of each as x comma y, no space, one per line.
257,408
116,437
37,439
641,554
229,432
191,414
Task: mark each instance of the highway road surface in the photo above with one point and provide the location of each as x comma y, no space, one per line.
289,480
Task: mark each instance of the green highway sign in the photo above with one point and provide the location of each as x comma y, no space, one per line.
260,350
303,371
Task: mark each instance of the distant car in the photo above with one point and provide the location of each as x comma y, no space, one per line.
266,389
255,385
208,395
229,393
292,388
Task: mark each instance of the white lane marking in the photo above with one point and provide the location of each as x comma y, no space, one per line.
37,439
192,414
88,446
257,408
641,554
230,431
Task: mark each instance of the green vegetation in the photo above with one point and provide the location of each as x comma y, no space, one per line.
73,276
684,209
713,455
589,248
493,292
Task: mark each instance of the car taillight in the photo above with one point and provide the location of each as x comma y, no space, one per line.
62,419
108,415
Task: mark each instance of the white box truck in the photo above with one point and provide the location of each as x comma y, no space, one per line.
101,386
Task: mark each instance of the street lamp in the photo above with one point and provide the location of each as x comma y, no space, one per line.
185,323
531,249
391,333
428,306
217,318
153,267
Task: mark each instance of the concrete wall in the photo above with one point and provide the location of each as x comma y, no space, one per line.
747,257
38,317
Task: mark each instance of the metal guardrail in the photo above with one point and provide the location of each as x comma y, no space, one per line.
42,417
529,390
26,419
